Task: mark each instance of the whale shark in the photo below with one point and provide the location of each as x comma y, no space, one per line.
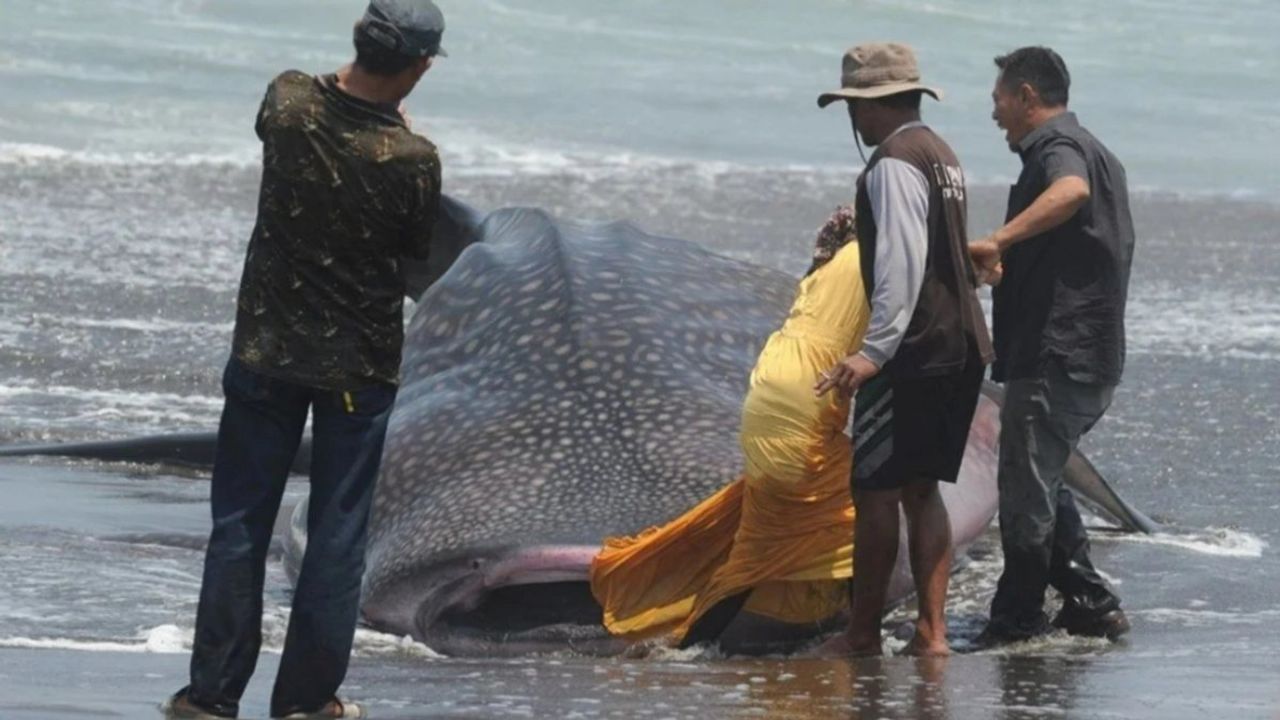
561,382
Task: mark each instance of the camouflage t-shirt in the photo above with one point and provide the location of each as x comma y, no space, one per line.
347,191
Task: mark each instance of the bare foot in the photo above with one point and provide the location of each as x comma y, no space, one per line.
920,648
841,646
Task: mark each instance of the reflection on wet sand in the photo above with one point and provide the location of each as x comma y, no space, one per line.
1039,683
899,687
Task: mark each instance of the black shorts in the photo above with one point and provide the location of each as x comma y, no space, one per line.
909,430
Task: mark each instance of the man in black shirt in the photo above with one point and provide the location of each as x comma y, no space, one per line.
347,193
1060,265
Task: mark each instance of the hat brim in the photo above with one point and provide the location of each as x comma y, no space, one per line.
878,91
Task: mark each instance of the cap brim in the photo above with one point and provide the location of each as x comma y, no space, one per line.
879,91
440,52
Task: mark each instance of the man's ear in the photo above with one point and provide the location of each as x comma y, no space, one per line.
416,70
1028,95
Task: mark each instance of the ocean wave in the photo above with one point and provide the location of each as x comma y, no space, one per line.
119,398
143,325
471,157
162,639
371,642
171,639
1199,617
1222,542
466,153
32,154
1229,323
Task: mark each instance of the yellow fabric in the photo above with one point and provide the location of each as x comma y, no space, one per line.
785,529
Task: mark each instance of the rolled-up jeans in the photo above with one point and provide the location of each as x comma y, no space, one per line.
261,428
1041,533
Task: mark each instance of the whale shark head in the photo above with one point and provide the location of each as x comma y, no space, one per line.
562,382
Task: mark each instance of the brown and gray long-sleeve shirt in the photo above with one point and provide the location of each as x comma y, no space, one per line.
347,191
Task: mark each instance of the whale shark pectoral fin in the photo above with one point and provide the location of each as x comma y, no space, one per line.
185,449
1088,484
457,226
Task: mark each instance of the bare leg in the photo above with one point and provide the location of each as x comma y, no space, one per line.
929,539
875,550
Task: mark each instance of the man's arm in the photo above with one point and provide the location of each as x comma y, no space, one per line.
1068,191
265,110
425,206
899,196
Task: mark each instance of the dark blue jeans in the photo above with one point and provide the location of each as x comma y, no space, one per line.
258,437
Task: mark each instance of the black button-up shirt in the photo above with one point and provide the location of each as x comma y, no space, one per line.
1064,291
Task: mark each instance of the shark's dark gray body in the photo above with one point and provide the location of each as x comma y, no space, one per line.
563,382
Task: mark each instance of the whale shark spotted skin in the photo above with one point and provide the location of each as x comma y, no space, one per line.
562,382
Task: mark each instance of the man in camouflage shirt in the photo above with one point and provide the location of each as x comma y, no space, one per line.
347,192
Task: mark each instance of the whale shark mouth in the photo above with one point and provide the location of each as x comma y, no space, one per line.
527,600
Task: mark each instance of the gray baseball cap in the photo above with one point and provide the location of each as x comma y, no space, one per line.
410,27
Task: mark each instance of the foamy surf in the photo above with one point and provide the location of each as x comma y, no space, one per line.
29,154
162,639
1199,617
172,639
1221,542
371,642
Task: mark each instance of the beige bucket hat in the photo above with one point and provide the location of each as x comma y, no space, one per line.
875,70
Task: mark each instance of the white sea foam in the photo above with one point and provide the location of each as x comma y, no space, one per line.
1225,322
372,642
173,639
41,407
161,639
131,399
36,154
156,325
1197,617
1222,542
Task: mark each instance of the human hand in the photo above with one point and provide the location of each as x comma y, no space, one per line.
847,375
985,254
992,276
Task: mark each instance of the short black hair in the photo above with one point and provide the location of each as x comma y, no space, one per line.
378,59
909,100
1041,68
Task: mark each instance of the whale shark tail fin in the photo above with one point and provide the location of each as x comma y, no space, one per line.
1090,487
183,449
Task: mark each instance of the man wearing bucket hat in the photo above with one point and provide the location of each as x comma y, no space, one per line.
919,371
347,192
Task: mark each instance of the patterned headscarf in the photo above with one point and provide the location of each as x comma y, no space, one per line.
838,231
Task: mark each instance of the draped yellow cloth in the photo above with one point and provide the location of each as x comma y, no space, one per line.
784,530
